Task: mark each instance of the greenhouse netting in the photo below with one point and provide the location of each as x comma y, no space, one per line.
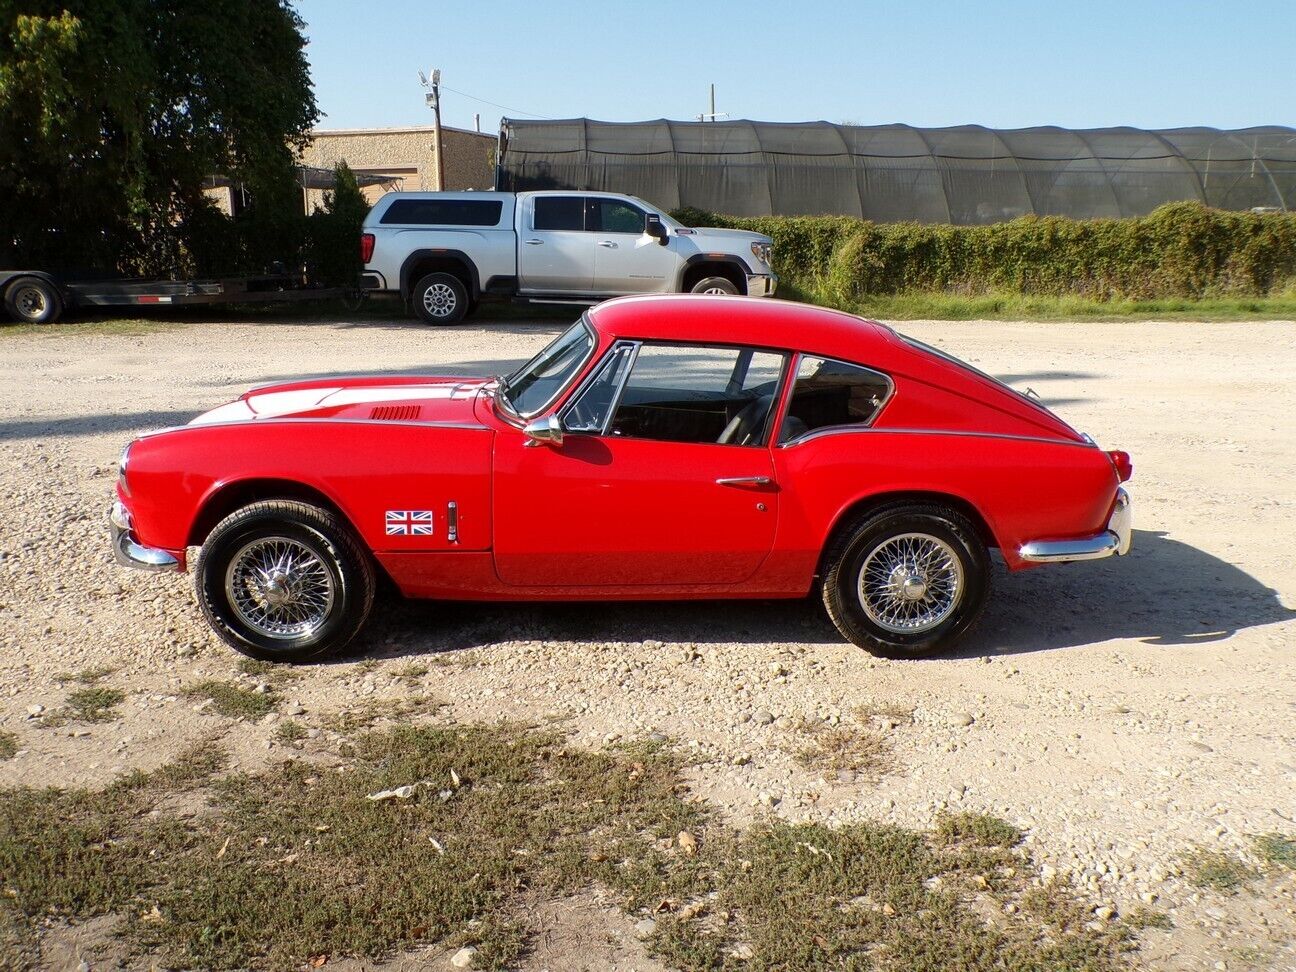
889,173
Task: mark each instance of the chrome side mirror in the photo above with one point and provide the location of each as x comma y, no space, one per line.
544,431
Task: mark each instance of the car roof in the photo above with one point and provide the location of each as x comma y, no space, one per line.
757,321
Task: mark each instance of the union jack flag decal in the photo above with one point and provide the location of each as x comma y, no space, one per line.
409,523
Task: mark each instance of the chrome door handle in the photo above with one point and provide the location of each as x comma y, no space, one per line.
608,243
745,481
533,242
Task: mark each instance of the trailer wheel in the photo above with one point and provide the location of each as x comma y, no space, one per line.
31,300
440,298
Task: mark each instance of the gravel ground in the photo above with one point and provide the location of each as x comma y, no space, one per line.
1123,712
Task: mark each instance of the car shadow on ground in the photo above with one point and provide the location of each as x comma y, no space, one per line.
1164,592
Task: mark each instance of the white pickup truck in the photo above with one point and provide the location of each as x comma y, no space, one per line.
444,251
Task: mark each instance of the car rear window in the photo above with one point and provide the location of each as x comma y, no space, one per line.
444,212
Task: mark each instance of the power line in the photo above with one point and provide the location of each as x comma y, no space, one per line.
516,111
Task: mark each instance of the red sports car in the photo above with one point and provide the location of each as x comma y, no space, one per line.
661,447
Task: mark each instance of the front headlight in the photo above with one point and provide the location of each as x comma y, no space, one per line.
761,251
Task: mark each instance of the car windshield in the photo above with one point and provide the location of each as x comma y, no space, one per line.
538,382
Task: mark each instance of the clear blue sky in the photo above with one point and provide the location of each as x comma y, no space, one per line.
1002,63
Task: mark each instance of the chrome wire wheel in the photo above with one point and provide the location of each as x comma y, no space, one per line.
440,300
280,588
910,583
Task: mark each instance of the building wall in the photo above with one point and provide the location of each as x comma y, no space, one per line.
407,155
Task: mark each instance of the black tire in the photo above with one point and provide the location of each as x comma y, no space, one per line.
440,298
31,300
883,533
711,285
297,527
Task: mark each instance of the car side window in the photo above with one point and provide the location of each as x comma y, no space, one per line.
615,216
832,393
686,393
559,213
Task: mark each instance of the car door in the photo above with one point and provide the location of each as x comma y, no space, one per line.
626,259
555,251
652,485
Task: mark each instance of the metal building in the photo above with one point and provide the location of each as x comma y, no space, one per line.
887,173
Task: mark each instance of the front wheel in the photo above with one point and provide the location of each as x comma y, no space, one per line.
440,298
715,285
907,581
284,581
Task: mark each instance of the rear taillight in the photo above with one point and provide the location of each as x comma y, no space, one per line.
366,247
1124,467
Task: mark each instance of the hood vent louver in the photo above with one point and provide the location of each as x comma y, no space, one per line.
395,413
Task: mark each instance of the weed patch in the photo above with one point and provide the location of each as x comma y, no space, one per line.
1277,850
230,700
1217,871
87,676
836,749
444,834
290,731
95,704
273,674
8,745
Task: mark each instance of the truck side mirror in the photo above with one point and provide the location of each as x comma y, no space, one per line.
655,228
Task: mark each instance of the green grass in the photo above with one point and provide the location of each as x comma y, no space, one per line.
270,672
290,731
1019,307
120,327
1275,850
296,862
8,744
87,676
233,701
1217,871
977,828
95,704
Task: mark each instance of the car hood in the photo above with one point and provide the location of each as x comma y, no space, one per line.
740,240
434,400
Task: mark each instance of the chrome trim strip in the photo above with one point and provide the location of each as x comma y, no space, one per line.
840,429
127,552
1115,540
593,334
317,421
859,427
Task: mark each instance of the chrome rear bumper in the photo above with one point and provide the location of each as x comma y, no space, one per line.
128,552
1115,540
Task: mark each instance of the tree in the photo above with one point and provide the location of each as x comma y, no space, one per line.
114,112
335,230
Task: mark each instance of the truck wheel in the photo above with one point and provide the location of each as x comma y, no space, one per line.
284,581
440,298
906,581
714,285
31,300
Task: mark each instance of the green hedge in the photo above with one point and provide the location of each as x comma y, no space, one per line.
1182,250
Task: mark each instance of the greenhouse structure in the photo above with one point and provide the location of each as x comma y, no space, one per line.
889,173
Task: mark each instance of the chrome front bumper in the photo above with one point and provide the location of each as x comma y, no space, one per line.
127,551
761,284
1115,540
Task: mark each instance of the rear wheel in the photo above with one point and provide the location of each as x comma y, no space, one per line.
906,581
715,285
440,298
284,581
31,300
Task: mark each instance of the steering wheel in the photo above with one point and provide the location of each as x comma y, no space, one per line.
747,424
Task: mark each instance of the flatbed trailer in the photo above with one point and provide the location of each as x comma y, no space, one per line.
41,297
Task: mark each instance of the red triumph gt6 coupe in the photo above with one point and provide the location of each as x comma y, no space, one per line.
660,447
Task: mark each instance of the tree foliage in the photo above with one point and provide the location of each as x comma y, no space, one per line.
334,230
114,112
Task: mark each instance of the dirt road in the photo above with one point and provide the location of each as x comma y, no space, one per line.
1124,712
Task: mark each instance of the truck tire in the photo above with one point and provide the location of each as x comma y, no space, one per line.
31,300
440,298
715,285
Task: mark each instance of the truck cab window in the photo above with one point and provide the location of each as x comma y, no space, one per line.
559,213
615,216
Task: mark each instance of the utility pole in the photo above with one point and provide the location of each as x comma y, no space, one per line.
433,99
712,115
